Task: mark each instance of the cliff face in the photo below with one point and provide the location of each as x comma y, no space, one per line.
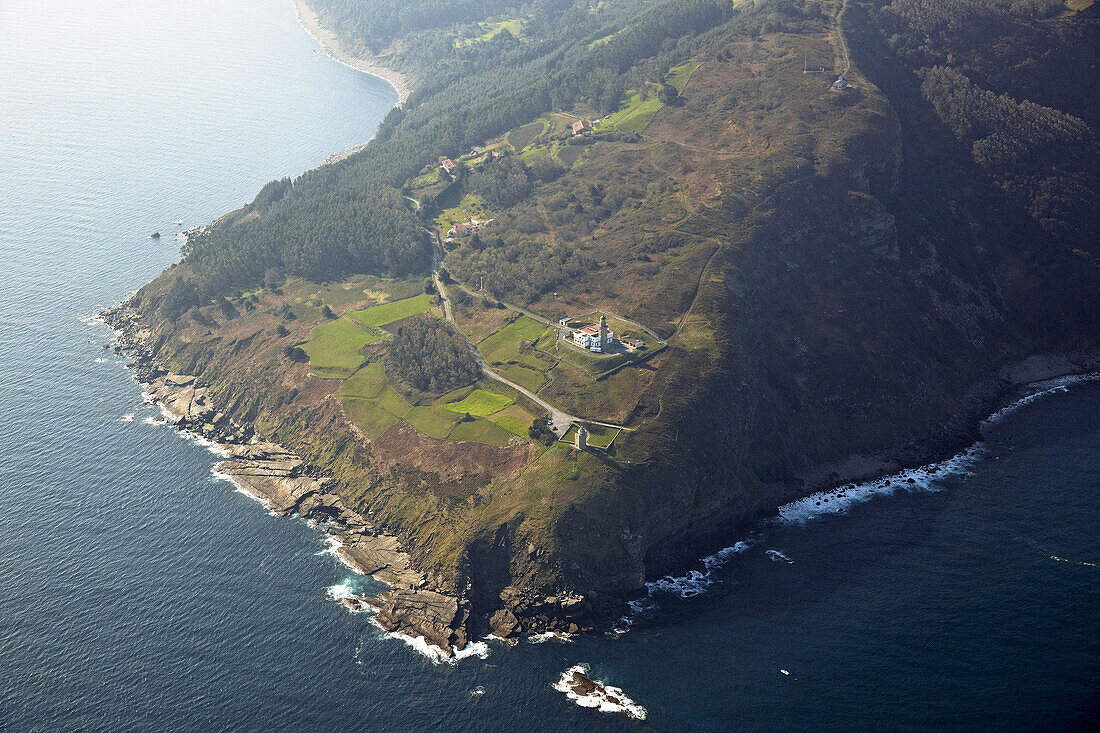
843,287
877,311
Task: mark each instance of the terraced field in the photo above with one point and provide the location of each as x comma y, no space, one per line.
334,347
387,313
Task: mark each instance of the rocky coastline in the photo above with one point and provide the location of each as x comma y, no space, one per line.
412,606
287,486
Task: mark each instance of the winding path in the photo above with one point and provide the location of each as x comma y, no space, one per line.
560,420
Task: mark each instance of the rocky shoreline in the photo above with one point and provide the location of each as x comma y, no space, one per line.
413,608
289,487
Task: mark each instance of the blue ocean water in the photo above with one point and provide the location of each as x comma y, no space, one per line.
138,592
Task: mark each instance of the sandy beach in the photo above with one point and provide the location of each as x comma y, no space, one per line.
402,83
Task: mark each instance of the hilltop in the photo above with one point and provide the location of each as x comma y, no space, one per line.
808,282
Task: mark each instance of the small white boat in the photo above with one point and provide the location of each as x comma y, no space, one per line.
179,222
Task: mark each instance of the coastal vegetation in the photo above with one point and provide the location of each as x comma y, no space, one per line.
830,273
430,356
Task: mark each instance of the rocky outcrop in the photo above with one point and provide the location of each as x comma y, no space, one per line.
288,486
524,612
590,693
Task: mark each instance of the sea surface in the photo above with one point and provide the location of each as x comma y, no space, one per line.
140,592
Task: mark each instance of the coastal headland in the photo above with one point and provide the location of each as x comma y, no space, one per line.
819,284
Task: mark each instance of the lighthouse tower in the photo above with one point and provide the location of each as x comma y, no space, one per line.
582,438
603,332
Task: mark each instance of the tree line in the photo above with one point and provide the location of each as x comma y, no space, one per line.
431,356
350,216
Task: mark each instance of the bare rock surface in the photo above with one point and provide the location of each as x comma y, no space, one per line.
288,486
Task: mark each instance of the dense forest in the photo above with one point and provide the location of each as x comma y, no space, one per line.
350,216
431,356
986,67
1034,141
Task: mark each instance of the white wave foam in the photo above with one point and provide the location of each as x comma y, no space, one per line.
1036,391
100,360
241,489
341,591
777,556
420,645
477,691
605,698
695,581
477,649
332,546
836,501
129,417
550,636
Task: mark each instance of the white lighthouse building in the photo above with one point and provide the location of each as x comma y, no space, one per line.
594,337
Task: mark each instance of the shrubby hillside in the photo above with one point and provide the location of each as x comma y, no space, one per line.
832,283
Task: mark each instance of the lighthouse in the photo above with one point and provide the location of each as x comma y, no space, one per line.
582,438
604,342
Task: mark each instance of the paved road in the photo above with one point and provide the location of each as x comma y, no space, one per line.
561,420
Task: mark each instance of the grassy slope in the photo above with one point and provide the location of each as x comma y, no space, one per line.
736,246
480,403
333,347
382,315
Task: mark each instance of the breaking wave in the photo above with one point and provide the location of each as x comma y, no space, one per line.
838,500
697,581
605,698
1036,391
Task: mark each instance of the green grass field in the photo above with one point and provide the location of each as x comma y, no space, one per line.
480,403
511,424
381,315
333,347
528,377
370,416
367,383
678,75
504,344
435,422
375,407
602,41
636,112
480,431
638,109
489,30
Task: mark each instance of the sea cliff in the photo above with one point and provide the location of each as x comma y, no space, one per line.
842,291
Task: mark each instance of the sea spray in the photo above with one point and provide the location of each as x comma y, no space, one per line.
419,644
778,556
837,501
603,697
695,582
546,636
